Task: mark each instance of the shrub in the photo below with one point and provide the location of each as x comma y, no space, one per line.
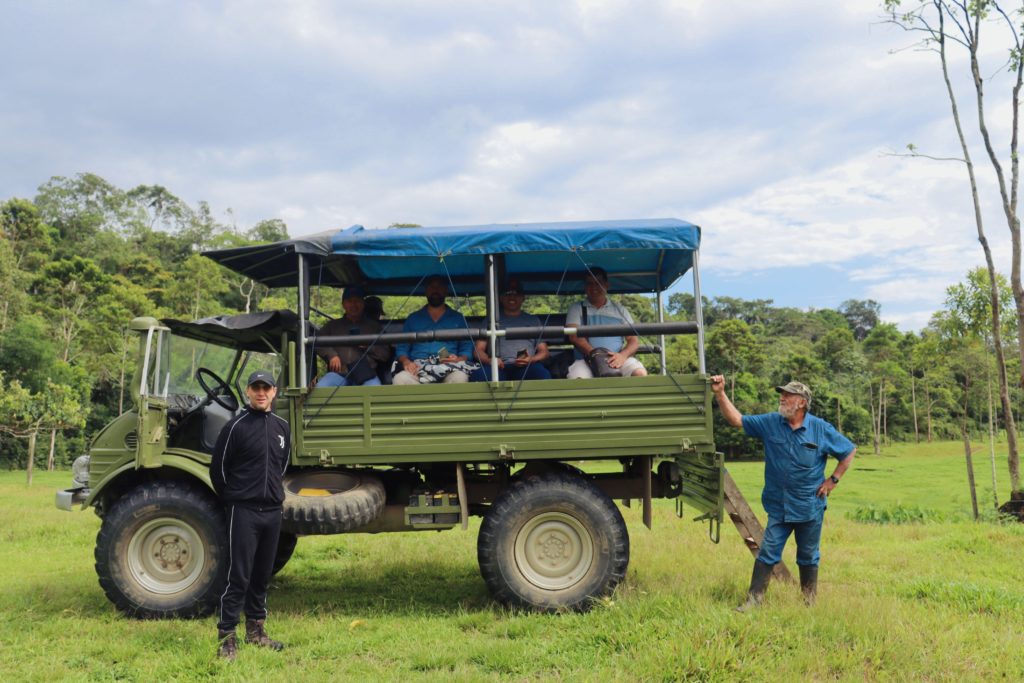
895,514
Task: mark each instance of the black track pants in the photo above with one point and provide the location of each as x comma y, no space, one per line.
252,534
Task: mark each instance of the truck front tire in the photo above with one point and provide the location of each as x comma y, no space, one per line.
162,552
553,542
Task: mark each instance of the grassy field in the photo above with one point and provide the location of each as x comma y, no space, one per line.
938,600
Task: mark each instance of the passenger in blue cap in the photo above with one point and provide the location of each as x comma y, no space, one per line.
349,365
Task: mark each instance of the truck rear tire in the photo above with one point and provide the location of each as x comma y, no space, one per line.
330,501
553,542
162,552
286,543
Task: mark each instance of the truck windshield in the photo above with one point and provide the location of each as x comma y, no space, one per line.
173,362
180,358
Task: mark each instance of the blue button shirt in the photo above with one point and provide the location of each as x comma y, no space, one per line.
420,321
794,463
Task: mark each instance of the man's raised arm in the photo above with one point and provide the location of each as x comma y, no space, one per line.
728,410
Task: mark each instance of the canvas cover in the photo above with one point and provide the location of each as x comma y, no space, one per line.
641,256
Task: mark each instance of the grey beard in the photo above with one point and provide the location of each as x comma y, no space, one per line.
788,412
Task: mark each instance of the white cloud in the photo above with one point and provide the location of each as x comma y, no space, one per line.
761,121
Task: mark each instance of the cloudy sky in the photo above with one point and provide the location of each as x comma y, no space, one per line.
766,122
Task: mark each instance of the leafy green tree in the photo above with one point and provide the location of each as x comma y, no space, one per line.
930,359
196,285
29,352
270,230
843,369
881,346
82,207
861,316
158,208
733,347
23,413
30,240
969,305
66,288
13,298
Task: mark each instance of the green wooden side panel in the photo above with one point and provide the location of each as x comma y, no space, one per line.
565,419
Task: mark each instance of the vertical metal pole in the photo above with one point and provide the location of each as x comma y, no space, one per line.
492,316
661,319
698,312
303,305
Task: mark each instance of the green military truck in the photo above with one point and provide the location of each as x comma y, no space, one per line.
540,461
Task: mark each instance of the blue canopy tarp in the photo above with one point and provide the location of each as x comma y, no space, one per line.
640,255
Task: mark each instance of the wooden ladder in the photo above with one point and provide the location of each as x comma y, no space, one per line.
747,524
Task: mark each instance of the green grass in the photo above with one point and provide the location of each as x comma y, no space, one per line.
937,599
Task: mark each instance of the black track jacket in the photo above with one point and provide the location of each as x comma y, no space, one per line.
250,459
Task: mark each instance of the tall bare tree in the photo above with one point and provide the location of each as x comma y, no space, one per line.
960,22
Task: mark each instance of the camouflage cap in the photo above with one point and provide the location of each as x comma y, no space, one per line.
798,388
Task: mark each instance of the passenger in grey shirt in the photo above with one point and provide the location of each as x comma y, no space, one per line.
517,358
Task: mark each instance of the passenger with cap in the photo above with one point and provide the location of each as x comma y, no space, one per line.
428,362
349,365
517,358
247,472
797,446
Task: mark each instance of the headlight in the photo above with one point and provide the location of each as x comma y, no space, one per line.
80,471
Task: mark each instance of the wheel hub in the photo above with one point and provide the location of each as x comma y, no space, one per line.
171,552
554,550
166,556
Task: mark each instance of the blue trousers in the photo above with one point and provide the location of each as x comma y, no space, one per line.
333,379
510,372
808,541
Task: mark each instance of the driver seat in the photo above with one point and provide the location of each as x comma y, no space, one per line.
214,418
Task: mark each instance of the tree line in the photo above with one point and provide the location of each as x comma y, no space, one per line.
77,263
83,257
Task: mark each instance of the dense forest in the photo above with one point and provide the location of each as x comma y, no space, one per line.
83,257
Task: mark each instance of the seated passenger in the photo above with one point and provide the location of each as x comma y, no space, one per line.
352,364
431,361
374,307
597,309
517,358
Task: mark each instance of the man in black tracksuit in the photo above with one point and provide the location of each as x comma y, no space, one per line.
248,465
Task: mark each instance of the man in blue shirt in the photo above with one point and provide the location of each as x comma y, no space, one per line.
431,361
796,448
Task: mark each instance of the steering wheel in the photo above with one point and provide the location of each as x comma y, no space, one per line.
219,391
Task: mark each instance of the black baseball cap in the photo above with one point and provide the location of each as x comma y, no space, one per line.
513,287
261,376
353,290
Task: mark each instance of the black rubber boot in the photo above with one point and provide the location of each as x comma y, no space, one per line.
758,585
809,583
228,645
255,634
